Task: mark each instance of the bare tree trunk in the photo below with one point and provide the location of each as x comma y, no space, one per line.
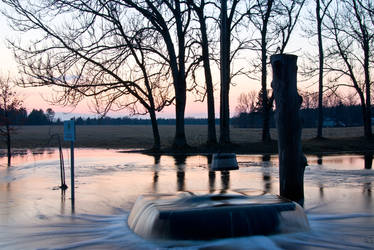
292,161
180,104
367,121
367,125
265,99
225,76
321,63
8,143
156,134
212,137
180,141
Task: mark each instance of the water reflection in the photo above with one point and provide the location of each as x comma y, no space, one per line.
211,175
63,198
209,159
367,189
266,157
320,184
156,168
266,175
212,181
15,152
319,159
180,162
225,181
24,155
368,157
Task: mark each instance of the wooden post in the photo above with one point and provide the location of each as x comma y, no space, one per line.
292,161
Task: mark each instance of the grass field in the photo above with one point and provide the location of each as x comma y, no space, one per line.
244,140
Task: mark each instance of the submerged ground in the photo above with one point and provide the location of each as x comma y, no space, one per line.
35,213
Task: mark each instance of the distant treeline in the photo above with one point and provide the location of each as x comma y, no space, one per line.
36,117
340,115
337,116
39,117
137,121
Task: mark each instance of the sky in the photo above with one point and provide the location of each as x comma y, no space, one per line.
37,98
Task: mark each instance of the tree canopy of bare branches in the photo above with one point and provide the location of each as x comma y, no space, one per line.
9,101
103,50
350,32
247,102
273,22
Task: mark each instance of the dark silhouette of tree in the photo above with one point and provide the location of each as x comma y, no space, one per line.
50,114
316,64
350,29
104,52
229,20
310,99
37,117
321,8
167,18
18,116
274,22
261,105
9,103
199,10
247,102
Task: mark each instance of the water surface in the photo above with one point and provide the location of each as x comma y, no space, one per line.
35,213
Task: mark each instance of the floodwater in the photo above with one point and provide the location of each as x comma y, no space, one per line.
36,214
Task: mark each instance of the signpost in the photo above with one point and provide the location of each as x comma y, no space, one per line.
69,135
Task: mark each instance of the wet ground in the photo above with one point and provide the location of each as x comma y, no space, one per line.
35,213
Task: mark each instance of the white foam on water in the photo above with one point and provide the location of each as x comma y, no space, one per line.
79,231
94,231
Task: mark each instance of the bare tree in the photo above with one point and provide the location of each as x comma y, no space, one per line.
9,101
101,50
316,64
50,114
310,99
321,8
246,102
166,18
351,33
274,22
229,21
229,16
225,24
200,11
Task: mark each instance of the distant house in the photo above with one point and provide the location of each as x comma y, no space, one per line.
330,123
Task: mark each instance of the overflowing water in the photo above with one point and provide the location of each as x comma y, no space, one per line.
36,214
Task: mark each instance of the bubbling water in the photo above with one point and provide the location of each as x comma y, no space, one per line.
94,231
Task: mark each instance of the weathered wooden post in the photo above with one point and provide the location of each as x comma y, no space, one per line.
292,161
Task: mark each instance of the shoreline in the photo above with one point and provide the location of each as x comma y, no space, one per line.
325,146
139,139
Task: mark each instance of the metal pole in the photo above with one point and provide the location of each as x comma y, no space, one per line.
72,174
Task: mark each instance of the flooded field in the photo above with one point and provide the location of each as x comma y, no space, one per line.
35,213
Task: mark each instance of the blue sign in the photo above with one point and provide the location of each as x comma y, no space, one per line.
69,130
